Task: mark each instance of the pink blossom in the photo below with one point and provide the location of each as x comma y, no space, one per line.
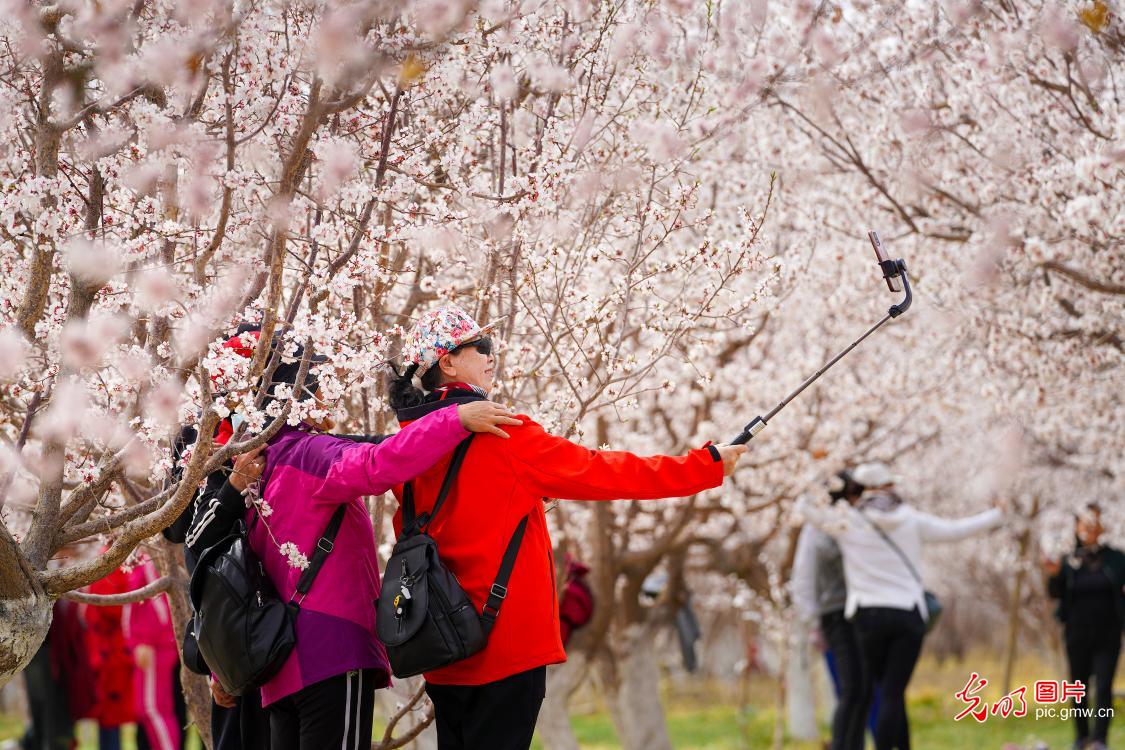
162,404
1058,30
546,75
134,365
623,42
92,263
65,412
916,121
156,287
662,140
659,38
960,11
439,17
825,47
79,346
142,178
13,353
338,162
503,79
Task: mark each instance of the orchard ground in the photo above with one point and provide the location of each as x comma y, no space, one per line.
721,716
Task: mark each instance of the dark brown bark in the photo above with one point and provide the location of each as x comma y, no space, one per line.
47,138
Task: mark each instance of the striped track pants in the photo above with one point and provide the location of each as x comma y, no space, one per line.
330,714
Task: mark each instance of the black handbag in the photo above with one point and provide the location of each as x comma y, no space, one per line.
189,647
423,616
243,630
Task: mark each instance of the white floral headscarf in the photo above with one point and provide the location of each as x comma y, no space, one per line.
439,332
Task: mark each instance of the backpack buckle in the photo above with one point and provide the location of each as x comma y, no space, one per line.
500,592
322,541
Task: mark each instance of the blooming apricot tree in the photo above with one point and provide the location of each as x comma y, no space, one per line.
665,201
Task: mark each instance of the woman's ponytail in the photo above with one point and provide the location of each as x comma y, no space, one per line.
401,392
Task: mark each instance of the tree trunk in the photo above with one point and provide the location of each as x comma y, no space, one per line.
197,694
639,715
25,610
800,696
1013,633
1010,646
783,656
553,727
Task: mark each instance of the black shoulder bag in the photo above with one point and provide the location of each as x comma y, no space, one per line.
423,616
244,631
933,604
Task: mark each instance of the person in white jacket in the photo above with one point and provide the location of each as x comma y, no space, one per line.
819,593
881,539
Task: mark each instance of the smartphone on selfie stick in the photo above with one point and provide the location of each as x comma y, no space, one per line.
894,273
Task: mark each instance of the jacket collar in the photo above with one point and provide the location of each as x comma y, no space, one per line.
453,398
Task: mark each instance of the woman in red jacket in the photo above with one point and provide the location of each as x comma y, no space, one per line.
492,698
110,660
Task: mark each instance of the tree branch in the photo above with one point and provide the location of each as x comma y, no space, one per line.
159,586
1082,279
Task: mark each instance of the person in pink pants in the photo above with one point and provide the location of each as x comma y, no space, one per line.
151,638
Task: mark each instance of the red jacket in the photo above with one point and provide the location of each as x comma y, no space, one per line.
500,482
109,655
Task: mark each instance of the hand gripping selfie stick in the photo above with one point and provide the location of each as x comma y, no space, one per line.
894,272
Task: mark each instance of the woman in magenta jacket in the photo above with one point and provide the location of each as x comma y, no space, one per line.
324,694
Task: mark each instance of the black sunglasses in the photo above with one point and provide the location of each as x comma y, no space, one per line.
482,345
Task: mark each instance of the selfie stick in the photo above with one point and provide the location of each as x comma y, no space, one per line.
894,272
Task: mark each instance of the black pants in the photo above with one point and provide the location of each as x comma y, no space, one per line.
51,727
332,713
243,727
1092,651
889,642
850,717
497,715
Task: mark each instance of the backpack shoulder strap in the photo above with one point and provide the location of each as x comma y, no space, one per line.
451,474
499,590
324,545
409,518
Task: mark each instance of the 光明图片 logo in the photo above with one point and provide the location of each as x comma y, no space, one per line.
1047,693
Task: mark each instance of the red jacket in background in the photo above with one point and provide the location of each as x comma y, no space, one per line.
577,605
148,622
109,654
500,482
70,662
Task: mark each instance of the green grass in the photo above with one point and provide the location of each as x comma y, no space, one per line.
11,728
714,716
708,716
931,723
725,727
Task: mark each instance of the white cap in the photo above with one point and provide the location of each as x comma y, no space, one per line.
874,474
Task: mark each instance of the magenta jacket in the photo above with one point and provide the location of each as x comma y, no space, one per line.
307,475
148,622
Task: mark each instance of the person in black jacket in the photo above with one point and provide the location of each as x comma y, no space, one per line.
236,722
1090,586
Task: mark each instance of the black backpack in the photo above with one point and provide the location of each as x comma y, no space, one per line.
243,631
423,616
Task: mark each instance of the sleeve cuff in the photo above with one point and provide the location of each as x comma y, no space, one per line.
455,420
231,498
